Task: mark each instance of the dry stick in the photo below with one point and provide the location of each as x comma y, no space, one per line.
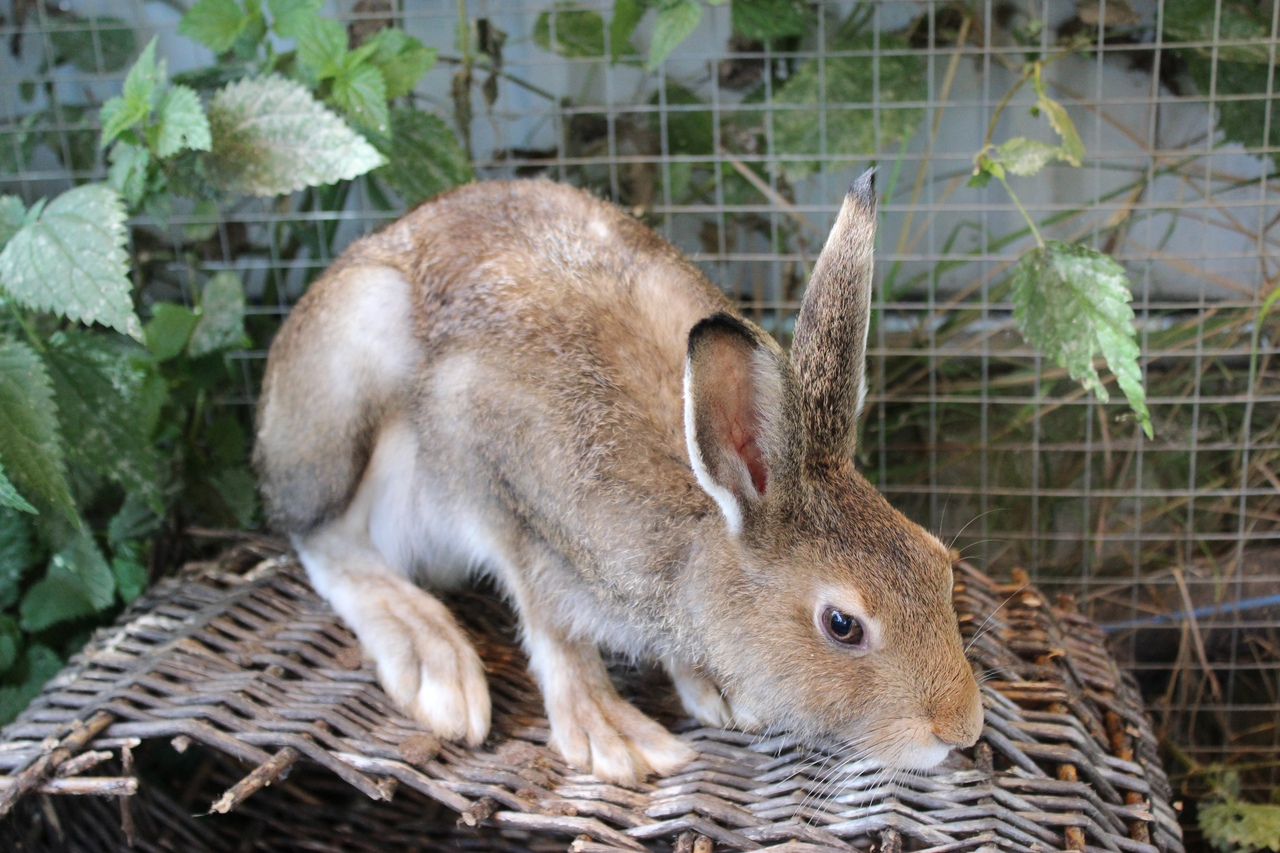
101,786
261,777
1194,624
36,773
127,824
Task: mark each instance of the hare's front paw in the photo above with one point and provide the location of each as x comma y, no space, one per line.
424,661
702,698
591,725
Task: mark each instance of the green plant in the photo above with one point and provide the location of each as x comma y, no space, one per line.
110,441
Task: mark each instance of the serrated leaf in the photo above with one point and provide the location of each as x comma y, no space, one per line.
17,553
577,32
169,330
322,43
39,664
676,22
401,58
9,496
78,582
135,520
1071,302
1023,156
214,23
128,172
626,16
1072,146
769,19
96,45
97,384
425,157
221,322
30,440
182,122
1240,827
12,214
270,136
360,94
72,260
131,578
289,15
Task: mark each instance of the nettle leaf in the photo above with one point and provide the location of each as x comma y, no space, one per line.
425,157
401,58
9,496
290,15
71,260
97,385
322,43
677,19
1071,302
1023,156
134,102
1072,146
1238,827
78,582
131,578
360,94
169,330
38,665
30,441
221,320
216,24
182,122
17,553
12,214
128,172
769,19
270,136
626,17
568,30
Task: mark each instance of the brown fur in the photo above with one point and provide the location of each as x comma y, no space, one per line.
544,388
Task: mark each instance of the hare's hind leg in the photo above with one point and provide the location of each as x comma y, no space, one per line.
424,660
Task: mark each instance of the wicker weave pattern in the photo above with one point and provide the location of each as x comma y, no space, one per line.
242,658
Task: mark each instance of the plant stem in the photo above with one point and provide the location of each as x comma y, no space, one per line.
1030,222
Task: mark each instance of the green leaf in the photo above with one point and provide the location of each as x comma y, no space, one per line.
30,441
12,214
131,578
691,132
10,642
322,43
576,32
128,172
97,384
360,94
289,15
425,157
626,16
182,122
133,104
214,23
169,330
221,320
96,45
17,553
676,22
9,496
79,582
270,136
1071,302
38,665
1239,827
770,19
71,261
1072,147
401,58
1023,156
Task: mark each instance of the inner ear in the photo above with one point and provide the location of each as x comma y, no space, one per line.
734,385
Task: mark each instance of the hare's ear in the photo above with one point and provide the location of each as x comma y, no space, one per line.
734,410
830,345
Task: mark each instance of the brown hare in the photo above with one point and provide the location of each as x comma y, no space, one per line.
521,381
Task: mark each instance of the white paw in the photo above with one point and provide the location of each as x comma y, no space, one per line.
424,661
610,736
699,694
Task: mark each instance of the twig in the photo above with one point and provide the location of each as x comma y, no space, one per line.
35,775
101,786
261,777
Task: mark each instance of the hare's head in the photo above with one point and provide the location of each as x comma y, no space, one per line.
828,612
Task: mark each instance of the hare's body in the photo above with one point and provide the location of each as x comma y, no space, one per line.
497,383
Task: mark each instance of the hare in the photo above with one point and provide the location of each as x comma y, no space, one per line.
521,381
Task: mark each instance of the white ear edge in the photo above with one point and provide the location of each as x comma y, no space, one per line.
722,496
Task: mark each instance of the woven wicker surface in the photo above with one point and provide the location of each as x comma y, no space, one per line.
240,664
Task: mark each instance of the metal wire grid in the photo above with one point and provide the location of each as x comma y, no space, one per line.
967,429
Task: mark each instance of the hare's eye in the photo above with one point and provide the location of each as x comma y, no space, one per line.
843,628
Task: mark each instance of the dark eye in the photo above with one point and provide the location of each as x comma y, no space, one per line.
842,627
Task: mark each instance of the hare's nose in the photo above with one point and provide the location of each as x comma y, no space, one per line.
960,725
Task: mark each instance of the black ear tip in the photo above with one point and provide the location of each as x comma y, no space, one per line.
863,187
720,322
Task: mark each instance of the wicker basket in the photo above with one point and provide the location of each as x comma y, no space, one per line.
237,667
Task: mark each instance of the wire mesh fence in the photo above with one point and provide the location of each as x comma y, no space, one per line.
737,148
